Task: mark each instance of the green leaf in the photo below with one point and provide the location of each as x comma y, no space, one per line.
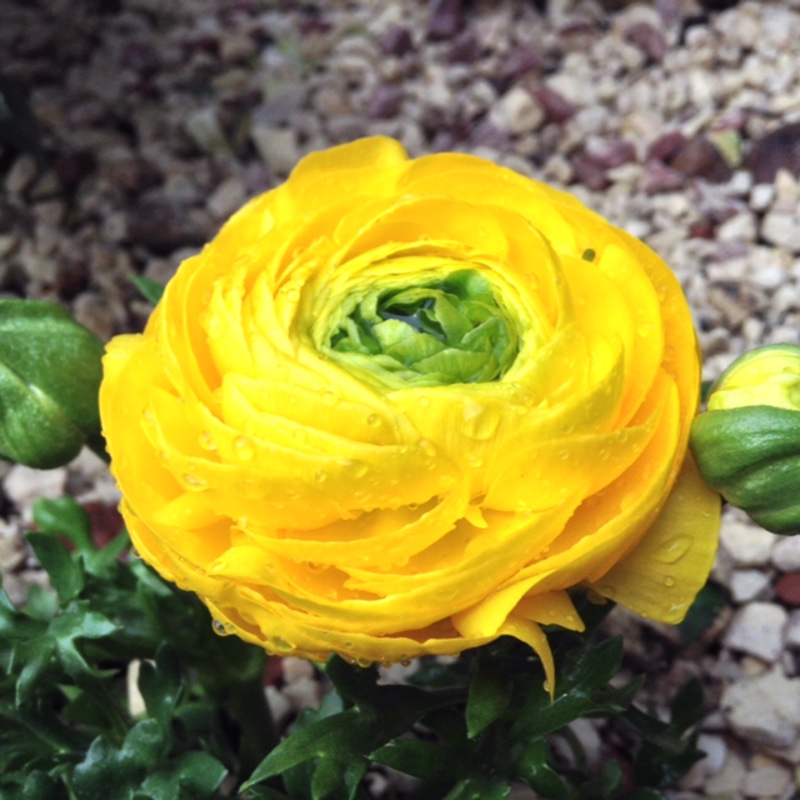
687,706
67,517
532,767
425,760
65,573
480,788
152,291
111,773
707,606
161,685
489,695
75,624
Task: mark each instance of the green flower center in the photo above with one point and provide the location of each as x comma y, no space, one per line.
450,331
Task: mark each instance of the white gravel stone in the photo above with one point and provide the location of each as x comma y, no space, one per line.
792,634
740,227
747,584
758,629
761,196
748,544
277,147
764,709
517,112
782,229
786,553
730,778
24,485
769,780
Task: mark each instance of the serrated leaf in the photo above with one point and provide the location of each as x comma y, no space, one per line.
77,624
38,655
111,773
67,517
65,573
152,291
489,695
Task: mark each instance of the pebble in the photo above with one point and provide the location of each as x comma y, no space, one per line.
517,112
785,554
787,589
764,709
758,629
747,584
765,780
24,485
748,544
782,229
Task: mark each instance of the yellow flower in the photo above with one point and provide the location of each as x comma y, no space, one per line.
399,407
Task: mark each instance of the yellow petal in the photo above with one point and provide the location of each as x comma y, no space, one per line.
662,576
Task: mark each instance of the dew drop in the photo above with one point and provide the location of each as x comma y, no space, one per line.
479,423
243,447
424,401
320,476
221,628
359,469
669,581
364,663
427,447
645,329
207,441
474,460
673,550
280,645
563,454
134,553
301,435
329,399
194,482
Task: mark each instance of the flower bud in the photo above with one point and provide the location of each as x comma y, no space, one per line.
50,371
747,444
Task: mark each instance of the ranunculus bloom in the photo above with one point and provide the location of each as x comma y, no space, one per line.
400,407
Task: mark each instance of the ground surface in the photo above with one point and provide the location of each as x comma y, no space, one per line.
678,121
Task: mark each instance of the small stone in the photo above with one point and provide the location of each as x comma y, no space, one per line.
92,310
385,102
779,149
205,131
658,178
768,780
698,158
740,227
445,18
396,41
761,196
729,779
792,636
517,112
758,629
666,147
279,705
226,198
555,106
787,589
786,553
520,61
764,709
747,584
24,485
782,229
163,226
648,39
748,544
610,153
277,147
21,175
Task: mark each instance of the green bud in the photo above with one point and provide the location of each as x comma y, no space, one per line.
50,371
747,444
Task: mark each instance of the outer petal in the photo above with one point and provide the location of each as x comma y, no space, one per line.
662,576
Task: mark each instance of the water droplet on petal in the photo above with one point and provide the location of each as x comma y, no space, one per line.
194,482
474,460
207,441
673,550
645,329
244,448
134,553
320,476
329,399
427,447
373,420
424,401
221,628
669,581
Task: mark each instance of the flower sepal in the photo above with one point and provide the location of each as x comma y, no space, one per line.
50,371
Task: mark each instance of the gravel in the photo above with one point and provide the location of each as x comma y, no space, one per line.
679,121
